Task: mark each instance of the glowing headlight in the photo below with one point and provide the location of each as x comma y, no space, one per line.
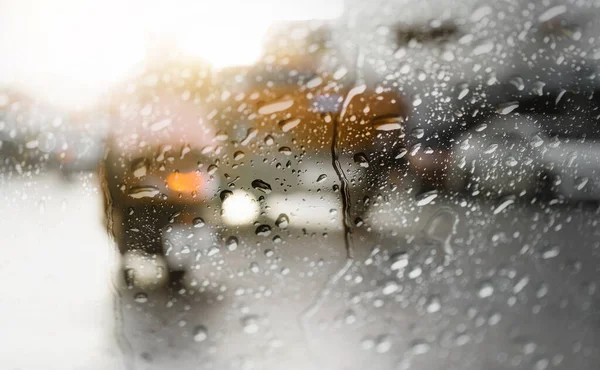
240,208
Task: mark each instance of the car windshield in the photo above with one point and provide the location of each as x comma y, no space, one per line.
386,184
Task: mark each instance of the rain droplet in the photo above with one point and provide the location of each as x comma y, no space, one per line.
282,221
250,324
221,136
433,304
314,82
502,206
426,198
212,169
232,243
139,192
522,283
238,155
486,289
289,124
401,153
415,272
262,186
491,148
139,168
141,297
198,222
200,333
159,125
417,133
399,261
550,251
483,48
285,150
518,83
581,182
269,140
361,159
225,194
390,287
388,123
250,135
263,230
321,178
275,106
254,267
419,347
383,344
506,108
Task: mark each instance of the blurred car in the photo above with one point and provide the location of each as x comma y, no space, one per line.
198,153
496,102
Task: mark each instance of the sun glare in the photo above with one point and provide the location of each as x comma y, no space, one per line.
69,51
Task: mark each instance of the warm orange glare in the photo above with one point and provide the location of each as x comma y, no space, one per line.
184,182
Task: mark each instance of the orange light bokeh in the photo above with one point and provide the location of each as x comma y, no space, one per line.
184,182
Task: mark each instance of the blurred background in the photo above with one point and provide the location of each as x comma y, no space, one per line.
393,184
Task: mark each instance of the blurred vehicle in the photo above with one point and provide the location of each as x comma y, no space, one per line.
488,125
188,152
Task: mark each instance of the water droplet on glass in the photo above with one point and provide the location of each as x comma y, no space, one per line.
415,272
433,304
361,159
262,186
506,108
141,297
200,333
521,284
198,222
212,169
401,153
232,243
263,230
289,124
250,135
383,344
285,150
225,194
426,198
250,324
238,155
269,140
399,261
581,182
159,125
550,251
321,178
419,347
139,168
491,148
486,289
139,192
390,287
388,123
282,221
417,133
275,106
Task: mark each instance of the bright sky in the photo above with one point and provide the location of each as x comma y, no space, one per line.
68,51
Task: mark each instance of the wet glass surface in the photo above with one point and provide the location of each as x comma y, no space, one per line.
386,185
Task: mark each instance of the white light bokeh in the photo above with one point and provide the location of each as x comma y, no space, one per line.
69,51
240,208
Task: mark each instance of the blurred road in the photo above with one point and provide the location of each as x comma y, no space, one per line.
444,283
55,298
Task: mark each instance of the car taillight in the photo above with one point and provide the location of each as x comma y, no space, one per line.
185,182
